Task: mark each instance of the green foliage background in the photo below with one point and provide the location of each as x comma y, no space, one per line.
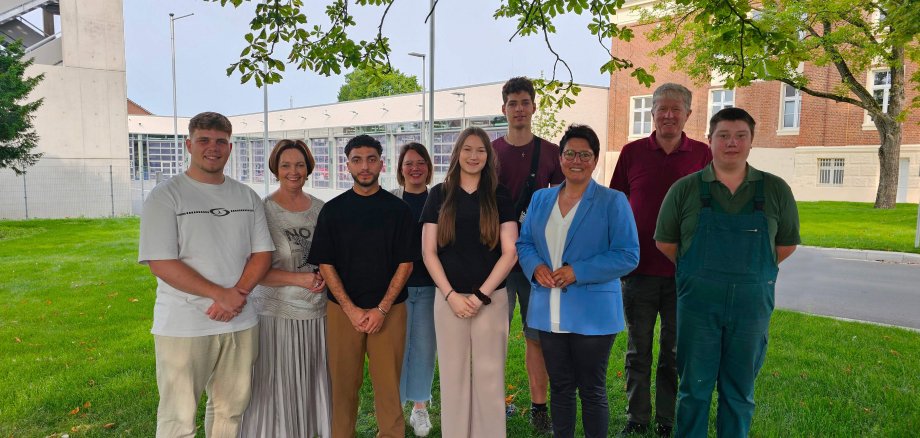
17,136
368,81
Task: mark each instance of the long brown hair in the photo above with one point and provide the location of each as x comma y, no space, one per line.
488,206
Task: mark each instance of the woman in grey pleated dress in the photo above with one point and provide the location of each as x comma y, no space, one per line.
290,381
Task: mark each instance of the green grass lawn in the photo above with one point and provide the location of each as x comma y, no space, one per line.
857,225
76,355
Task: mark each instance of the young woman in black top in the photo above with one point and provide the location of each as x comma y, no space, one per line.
414,171
468,246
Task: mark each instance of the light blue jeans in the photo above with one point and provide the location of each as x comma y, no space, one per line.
418,362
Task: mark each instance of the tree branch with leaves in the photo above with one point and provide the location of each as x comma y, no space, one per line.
328,49
744,41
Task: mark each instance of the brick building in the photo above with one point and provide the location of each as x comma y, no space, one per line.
825,150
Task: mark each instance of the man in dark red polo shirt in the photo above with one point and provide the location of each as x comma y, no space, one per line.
645,171
515,152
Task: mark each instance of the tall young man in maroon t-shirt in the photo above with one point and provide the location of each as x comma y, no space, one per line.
515,158
645,171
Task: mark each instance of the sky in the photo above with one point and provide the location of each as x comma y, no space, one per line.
471,47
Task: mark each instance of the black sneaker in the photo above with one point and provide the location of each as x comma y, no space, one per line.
633,428
540,421
663,431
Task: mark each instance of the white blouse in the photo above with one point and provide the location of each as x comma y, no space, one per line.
557,228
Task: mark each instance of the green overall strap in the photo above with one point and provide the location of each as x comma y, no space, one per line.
705,195
758,195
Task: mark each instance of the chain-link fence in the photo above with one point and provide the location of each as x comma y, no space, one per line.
79,190
59,191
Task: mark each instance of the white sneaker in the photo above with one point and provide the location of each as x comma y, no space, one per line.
419,421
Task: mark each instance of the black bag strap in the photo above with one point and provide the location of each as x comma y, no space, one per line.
530,183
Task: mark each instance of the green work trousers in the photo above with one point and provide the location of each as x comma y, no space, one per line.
725,296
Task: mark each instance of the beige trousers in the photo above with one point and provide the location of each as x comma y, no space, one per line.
221,365
346,349
471,360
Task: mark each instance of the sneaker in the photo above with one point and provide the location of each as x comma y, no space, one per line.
420,423
540,421
663,431
633,428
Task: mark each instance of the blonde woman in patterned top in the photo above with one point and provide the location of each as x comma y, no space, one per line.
290,393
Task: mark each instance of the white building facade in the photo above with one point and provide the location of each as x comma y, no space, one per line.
392,120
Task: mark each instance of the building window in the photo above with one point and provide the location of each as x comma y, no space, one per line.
792,107
720,99
259,149
440,152
830,171
163,156
641,116
243,167
343,179
881,87
320,175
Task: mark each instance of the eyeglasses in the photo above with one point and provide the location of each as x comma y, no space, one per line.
410,164
583,156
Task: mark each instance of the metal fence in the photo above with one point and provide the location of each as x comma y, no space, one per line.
60,191
81,190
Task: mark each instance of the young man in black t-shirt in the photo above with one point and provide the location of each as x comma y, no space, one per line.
365,245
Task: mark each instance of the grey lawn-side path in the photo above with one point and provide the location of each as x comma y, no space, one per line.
874,286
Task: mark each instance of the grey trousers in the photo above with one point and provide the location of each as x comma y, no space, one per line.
644,298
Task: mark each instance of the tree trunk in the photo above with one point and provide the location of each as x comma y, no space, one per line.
888,154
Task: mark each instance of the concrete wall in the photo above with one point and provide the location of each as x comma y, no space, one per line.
83,123
861,173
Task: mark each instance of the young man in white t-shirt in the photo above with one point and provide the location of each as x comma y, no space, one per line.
205,238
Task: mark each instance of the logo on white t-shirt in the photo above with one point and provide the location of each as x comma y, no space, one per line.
219,212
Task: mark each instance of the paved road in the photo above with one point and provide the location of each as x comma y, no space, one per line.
852,284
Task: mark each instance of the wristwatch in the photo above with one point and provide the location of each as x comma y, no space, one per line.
483,297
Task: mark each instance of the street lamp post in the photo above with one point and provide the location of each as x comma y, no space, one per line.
917,234
265,147
461,97
422,138
172,39
433,3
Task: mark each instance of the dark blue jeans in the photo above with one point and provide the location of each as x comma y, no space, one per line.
577,362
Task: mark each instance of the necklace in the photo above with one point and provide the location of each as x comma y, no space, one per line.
523,151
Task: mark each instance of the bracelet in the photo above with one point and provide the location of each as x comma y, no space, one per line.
382,311
448,294
483,297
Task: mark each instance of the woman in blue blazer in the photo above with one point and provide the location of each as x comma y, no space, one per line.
576,241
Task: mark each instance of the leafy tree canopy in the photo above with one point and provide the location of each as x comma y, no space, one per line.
746,40
365,82
17,137
328,49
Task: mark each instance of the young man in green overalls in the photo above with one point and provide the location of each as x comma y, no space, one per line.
727,227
